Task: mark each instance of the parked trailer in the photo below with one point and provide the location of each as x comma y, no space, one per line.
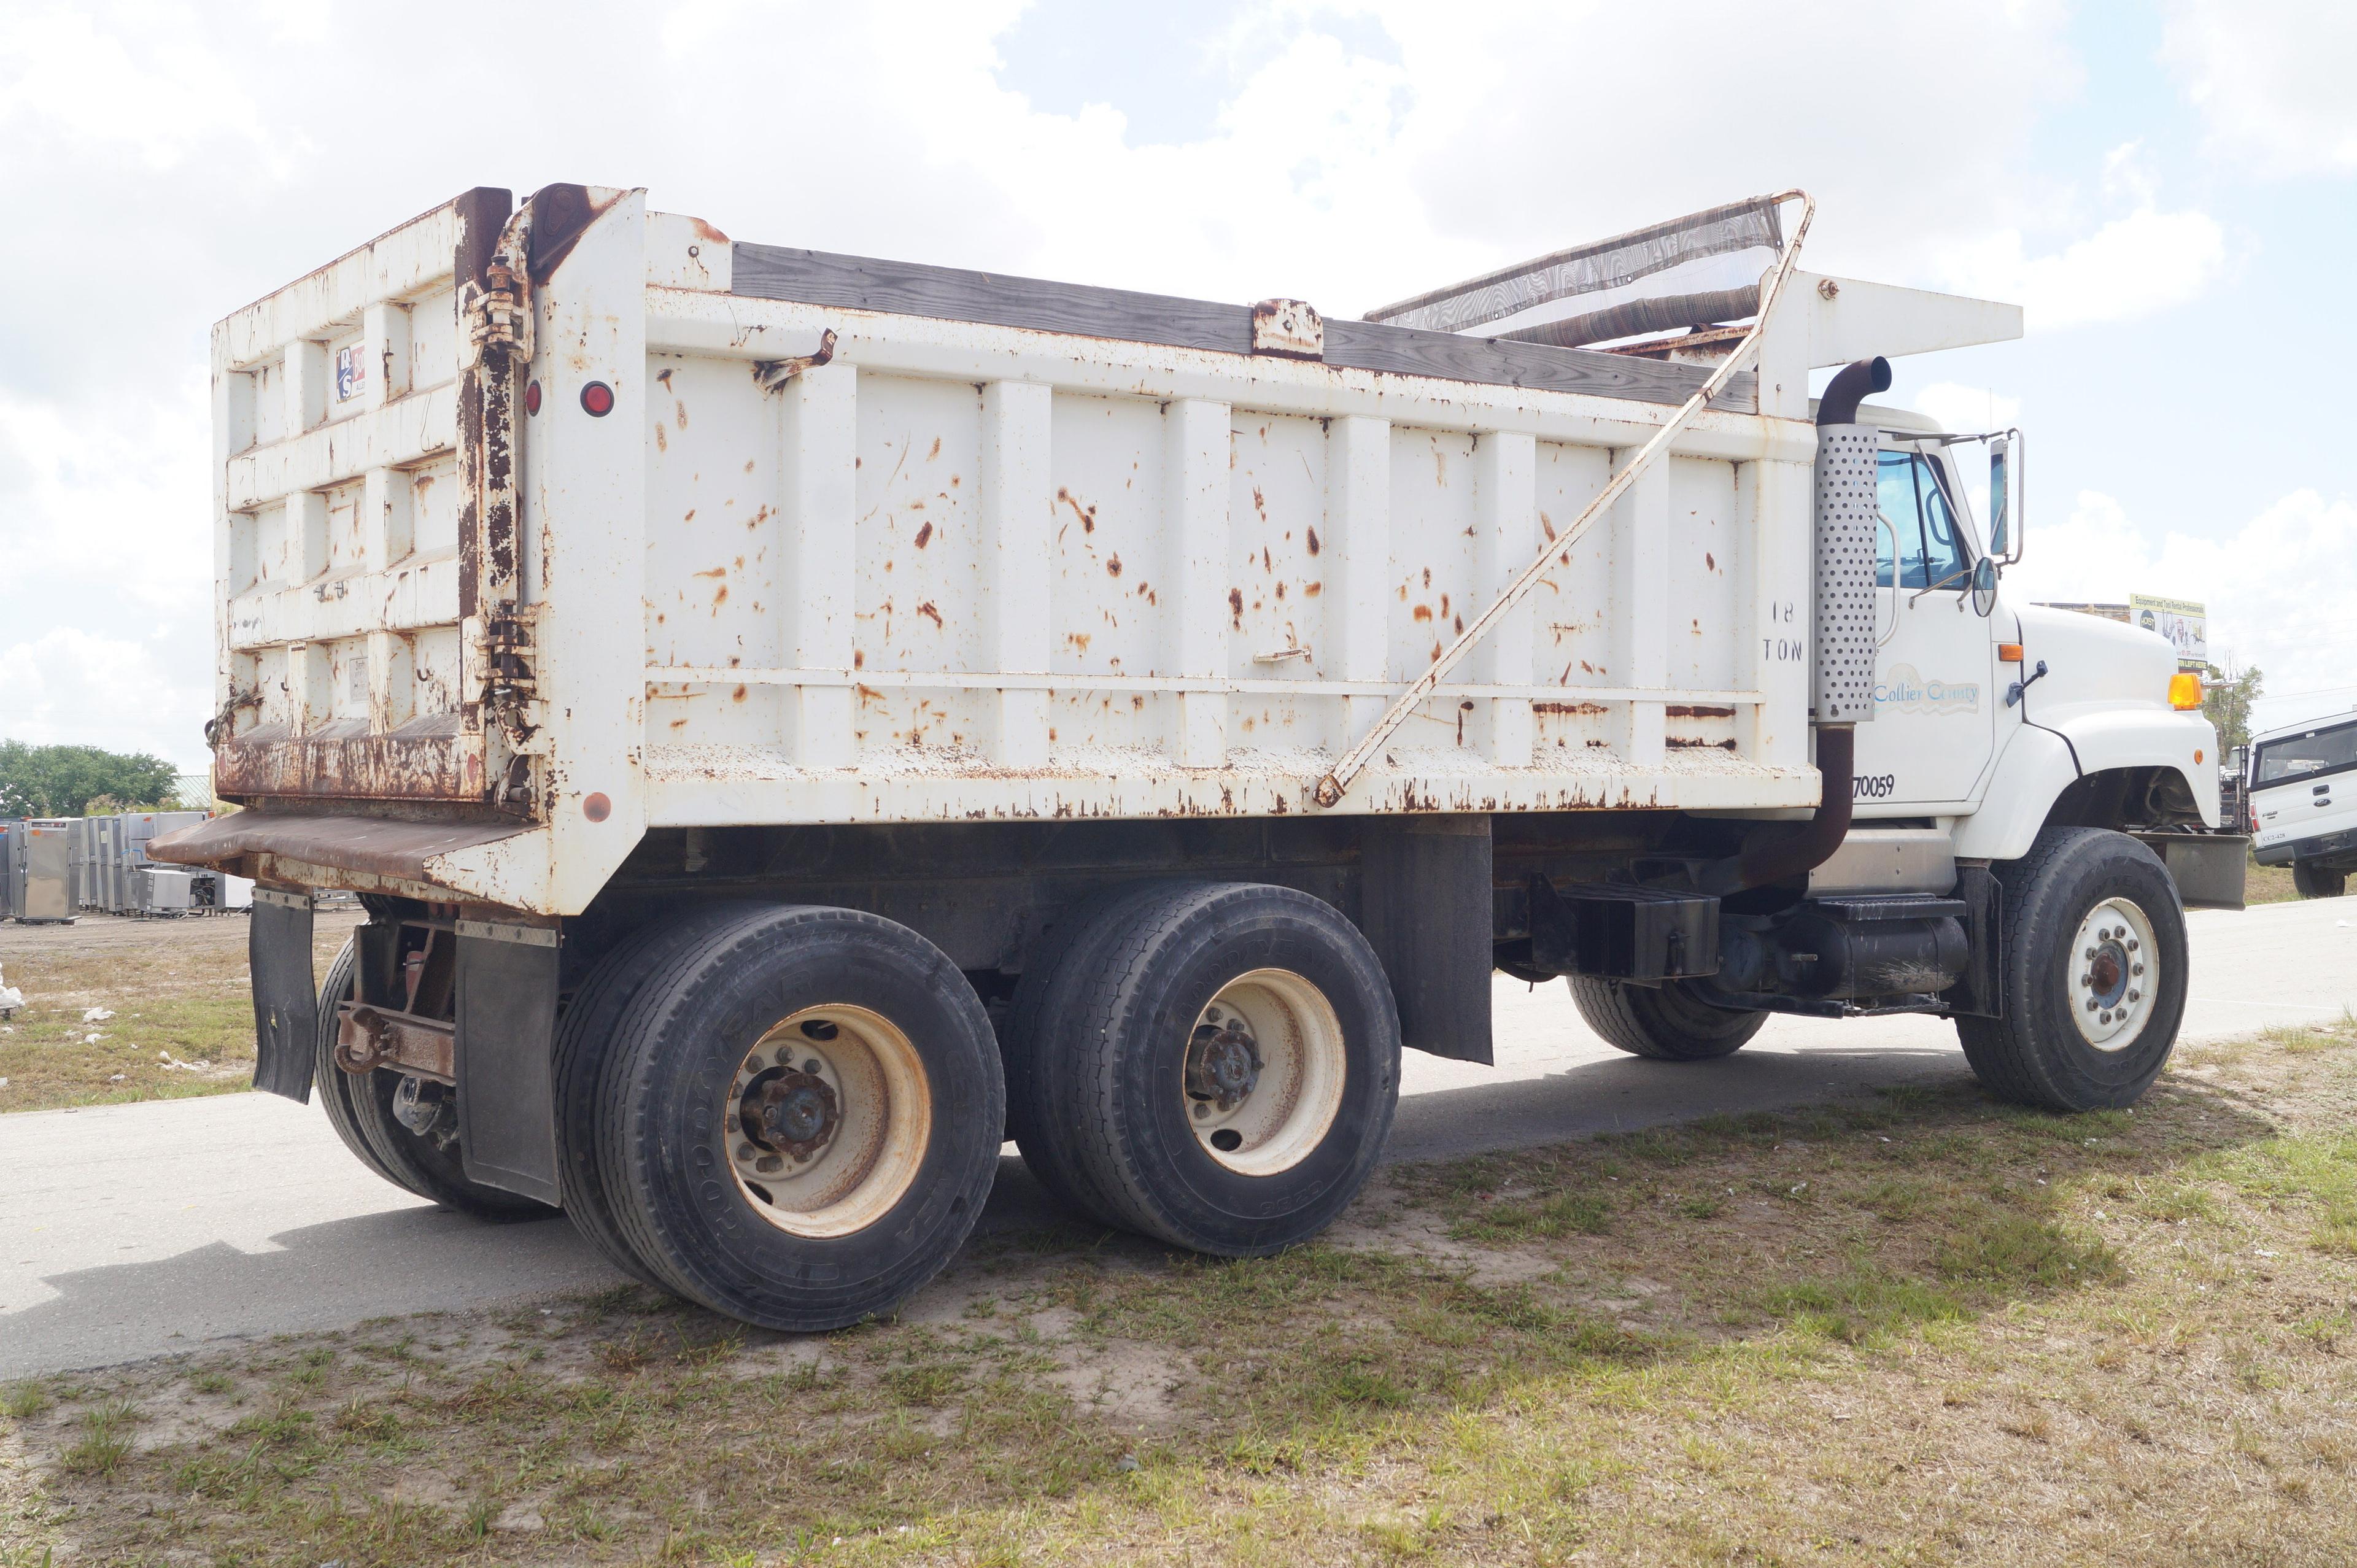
796,720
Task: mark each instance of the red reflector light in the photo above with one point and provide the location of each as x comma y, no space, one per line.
532,397
597,397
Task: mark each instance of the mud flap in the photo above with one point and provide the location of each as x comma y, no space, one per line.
286,994
506,1056
1424,908
1981,993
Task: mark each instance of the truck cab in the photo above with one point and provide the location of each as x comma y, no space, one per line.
1991,712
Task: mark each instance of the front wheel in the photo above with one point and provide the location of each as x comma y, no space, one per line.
1665,1022
2311,880
2093,971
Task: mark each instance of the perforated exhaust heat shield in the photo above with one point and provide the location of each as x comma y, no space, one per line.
1843,691
1846,508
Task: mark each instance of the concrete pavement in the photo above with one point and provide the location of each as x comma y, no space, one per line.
134,1230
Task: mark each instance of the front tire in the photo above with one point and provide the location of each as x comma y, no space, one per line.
1221,1070
798,1118
2092,971
1665,1023
2311,880
360,1109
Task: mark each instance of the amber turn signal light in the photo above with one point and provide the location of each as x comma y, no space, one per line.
2008,653
2184,690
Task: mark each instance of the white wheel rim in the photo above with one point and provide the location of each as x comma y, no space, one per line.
2114,974
1266,1066
827,1118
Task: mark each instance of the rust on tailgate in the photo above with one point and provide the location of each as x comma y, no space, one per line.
429,760
376,850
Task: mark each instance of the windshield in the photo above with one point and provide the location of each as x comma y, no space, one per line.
2298,756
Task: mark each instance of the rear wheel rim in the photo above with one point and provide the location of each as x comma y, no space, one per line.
1267,1062
2114,974
828,1118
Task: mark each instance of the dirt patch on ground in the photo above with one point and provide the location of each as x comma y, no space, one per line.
119,1009
1928,1328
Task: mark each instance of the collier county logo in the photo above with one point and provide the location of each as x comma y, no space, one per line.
1901,687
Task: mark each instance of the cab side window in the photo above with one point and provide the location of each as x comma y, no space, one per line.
1931,548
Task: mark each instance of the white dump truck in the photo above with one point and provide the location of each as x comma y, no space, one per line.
797,720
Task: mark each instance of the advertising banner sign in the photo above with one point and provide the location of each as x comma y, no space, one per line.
2183,621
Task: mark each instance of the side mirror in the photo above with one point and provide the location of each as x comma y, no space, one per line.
2005,488
1985,587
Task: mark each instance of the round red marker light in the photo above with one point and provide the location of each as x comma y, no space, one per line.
599,399
597,807
532,397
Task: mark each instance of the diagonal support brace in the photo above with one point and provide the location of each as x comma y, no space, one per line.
1336,783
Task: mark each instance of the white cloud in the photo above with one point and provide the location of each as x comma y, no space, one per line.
159,178
2279,588
2271,82
2134,266
71,686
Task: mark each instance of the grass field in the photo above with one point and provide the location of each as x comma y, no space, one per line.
181,1024
1923,1328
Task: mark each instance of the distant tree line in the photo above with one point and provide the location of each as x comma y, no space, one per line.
2227,697
71,781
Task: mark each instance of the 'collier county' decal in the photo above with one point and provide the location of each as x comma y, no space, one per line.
1903,689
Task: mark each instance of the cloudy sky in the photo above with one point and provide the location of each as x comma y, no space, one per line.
2170,190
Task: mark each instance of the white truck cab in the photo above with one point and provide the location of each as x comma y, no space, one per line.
1990,710
2303,792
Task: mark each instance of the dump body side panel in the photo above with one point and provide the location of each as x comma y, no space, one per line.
846,541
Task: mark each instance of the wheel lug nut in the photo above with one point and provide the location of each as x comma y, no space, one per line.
2131,944
2091,955
2137,969
2091,1004
744,1151
2103,1018
2135,995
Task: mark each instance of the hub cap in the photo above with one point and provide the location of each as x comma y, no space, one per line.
1266,1064
2114,972
827,1121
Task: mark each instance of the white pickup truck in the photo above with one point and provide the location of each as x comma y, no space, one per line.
2303,794
797,720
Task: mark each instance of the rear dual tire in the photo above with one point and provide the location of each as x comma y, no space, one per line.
1215,1065
792,1117
360,1106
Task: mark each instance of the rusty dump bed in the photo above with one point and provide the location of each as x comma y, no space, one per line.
556,523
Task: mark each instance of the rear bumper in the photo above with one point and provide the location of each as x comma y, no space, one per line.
366,855
2324,846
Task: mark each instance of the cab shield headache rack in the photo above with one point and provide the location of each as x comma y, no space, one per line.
1693,270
